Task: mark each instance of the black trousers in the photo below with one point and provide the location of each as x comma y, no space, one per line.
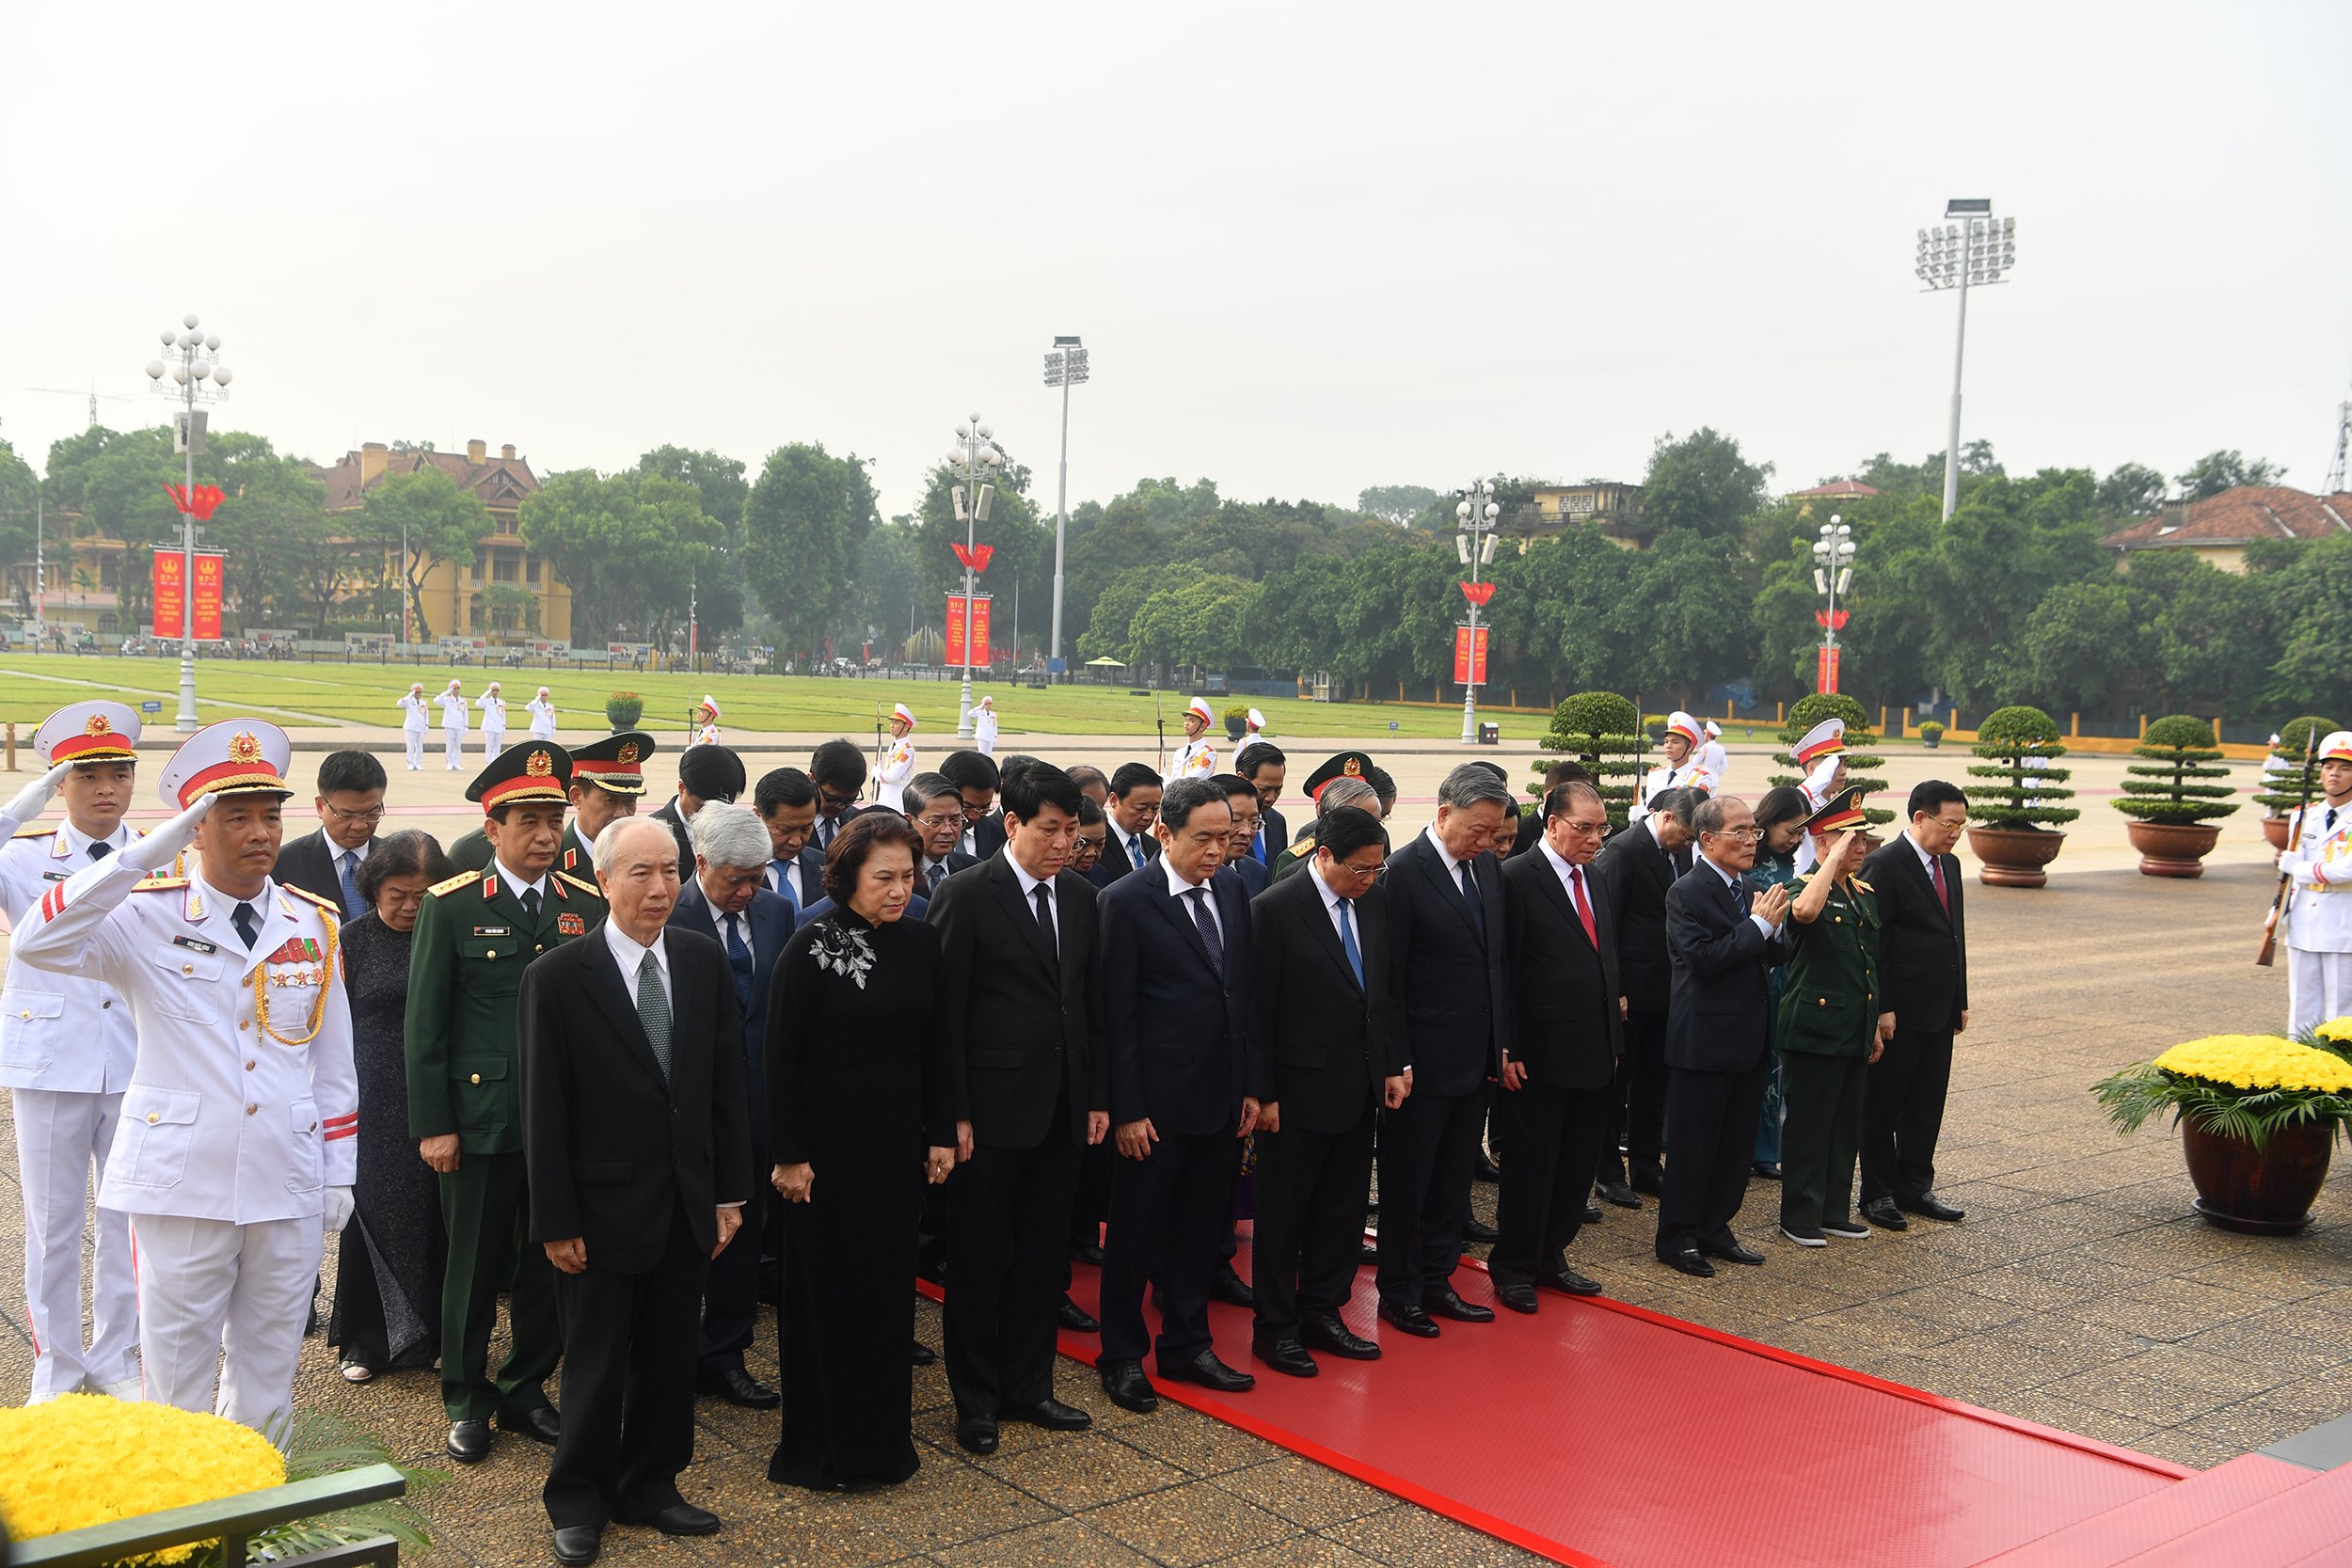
1427,1150
1905,1113
1713,1115
1637,1102
1309,1232
628,1385
1169,1212
1007,1263
1555,1136
1091,1205
731,1293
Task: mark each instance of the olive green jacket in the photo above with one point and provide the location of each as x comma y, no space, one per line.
471,852
1830,1006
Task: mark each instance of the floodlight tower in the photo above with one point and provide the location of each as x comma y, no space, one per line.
1975,251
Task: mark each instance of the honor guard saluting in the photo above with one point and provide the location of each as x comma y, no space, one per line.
1820,756
608,780
984,726
1713,756
475,935
412,724
1681,769
898,759
238,1140
453,724
493,705
1196,758
67,1046
706,722
2319,912
542,711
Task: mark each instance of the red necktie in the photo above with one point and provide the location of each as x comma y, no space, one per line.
1935,874
1584,907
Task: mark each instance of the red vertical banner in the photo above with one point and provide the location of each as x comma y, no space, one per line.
211,575
1469,655
171,594
1825,669
979,629
954,655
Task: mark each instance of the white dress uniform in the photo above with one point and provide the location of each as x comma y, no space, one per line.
66,1051
706,733
1717,762
2319,907
413,723
1689,773
239,1123
453,726
984,728
542,713
493,709
1194,759
898,764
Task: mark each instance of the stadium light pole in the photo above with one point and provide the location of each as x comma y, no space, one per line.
1065,367
1975,251
196,364
974,460
1475,513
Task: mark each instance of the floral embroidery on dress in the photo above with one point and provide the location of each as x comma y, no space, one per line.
843,951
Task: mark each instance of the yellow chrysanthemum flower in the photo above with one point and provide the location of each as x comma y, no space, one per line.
2338,1029
2258,1062
88,1460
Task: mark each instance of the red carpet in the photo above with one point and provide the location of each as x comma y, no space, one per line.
1602,1435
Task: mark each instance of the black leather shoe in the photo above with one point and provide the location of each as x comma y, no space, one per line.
1518,1297
1479,1230
575,1545
1049,1412
1287,1356
1881,1213
1444,1302
737,1386
1689,1262
469,1442
1369,1257
681,1519
920,1355
1485,1170
1768,1169
1591,1214
1075,1318
1570,1283
1326,1332
1734,1253
1230,1288
1645,1179
540,1424
1208,1372
1412,1319
1621,1194
1087,1252
1129,1390
1928,1206
976,1434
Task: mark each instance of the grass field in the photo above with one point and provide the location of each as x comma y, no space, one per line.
299,695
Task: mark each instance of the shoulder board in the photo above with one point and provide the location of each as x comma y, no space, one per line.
1801,879
1860,886
588,888
35,830
463,879
310,897
157,884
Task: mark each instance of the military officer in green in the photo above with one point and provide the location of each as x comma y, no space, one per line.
1830,1028
475,936
608,779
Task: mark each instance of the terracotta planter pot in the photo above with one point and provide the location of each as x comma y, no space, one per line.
2268,1192
2172,848
2275,829
2014,856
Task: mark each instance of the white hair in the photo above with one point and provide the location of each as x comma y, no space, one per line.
729,835
607,849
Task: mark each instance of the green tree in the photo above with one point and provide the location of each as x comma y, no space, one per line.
440,520
18,490
1395,504
2083,641
630,546
2226,469
2133,490
888,592
1702,483
804,523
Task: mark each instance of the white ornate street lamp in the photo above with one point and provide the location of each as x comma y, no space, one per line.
192,374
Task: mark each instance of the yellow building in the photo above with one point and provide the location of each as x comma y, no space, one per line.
2218,528
466,600
82,585
1614,508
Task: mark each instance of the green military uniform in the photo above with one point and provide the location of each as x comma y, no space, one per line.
474,937
471,852
1829,1012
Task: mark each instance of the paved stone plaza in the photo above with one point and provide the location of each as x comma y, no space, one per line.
2081,1292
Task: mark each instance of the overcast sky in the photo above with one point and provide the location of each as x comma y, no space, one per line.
1311,247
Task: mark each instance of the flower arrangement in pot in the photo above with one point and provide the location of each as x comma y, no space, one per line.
2258,1116
622,710
1932,734
1237,720
2288,777
2016,815
2173,812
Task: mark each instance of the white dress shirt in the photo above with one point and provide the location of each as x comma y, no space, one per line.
1445,856
1178,887
788,881
1732,882
1332,902
630,955
516,886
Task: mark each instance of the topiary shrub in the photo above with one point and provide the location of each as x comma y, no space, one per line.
2282,787
622,710
2018,744
2180,749
1600,729
1861,768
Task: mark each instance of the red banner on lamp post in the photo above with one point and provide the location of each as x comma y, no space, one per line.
170,596
211,576
979,629
959,632
1469,655
1825,669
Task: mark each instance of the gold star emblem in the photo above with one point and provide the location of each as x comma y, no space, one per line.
540,764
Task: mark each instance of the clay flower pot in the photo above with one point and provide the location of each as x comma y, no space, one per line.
2267,1192
2172,848
2014,856
2275,829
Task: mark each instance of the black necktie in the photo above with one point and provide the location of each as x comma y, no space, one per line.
1207,923
2329,828
248,925
1045,917
1469,896
531,902
739,956
939,869
99,851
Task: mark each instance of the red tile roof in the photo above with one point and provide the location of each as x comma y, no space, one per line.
1838,489
500,482
2240,516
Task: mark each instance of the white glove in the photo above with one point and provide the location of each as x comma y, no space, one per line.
336,1211
159,848
34,797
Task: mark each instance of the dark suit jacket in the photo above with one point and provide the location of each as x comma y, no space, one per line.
811,864
1329,1040
988,835
1720,1019
669,818
1923,952
1105,870
1275,833
308,864
1565,1028
1637,873
1182,1045
1456,987
613,1150
769,921
1022,1022
957,860
1254,875
1115,852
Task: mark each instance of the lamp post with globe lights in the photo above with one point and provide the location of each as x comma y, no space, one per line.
191,374
1065,367
974,461
1474,512
1973,252
1833,574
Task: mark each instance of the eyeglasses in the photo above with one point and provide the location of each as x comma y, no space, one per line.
1749,835
1587,828
938,819
1361,873
370,818
835,798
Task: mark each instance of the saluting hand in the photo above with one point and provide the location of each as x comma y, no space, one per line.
34,797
